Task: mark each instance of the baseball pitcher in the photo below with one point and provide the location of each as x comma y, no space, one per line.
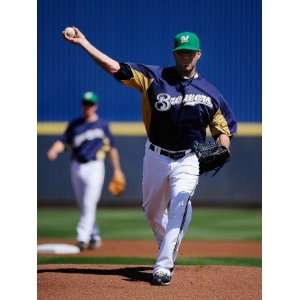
178,105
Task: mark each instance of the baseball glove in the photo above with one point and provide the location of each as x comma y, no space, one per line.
211,156
117,184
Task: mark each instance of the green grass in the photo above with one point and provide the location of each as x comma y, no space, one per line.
207,224
254,262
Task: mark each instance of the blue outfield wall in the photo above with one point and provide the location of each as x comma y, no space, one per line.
142,31
239,183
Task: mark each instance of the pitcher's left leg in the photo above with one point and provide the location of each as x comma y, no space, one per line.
183,181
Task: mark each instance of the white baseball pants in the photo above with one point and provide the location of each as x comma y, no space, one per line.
87,180
168,186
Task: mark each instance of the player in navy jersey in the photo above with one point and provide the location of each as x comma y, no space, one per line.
179,104
90,140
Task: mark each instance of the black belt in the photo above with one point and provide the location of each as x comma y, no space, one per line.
83,161
175,156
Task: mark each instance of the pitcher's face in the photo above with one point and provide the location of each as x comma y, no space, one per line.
186,60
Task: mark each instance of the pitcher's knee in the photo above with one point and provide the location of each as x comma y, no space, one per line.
179,204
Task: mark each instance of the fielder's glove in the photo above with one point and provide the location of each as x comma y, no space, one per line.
211,156
117,184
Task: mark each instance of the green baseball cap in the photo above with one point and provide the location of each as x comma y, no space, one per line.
90,97
186,41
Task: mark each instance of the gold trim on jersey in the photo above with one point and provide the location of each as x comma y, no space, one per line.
100,155
106,145
138,81
142,83
219,124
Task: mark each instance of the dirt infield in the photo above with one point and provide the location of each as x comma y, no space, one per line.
188,248
78,282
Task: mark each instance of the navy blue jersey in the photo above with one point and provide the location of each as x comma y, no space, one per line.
177,111
88,140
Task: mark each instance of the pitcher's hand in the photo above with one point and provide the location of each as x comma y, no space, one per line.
79,37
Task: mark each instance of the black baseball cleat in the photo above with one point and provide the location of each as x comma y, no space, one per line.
95,243
81,245
161,278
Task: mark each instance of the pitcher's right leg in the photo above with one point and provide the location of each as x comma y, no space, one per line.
156,193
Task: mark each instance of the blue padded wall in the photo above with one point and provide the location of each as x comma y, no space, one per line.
142,31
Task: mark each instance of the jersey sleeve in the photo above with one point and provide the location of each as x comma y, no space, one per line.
67,136
109,140
137,76
223,121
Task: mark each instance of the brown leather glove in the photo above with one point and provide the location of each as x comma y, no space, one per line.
117,184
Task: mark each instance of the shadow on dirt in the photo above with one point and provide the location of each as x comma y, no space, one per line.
131,273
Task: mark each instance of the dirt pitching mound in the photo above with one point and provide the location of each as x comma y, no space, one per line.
78,282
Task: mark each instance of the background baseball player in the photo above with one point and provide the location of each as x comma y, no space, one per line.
178,106
90,139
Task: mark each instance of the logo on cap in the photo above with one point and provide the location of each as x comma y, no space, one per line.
88,95
184,39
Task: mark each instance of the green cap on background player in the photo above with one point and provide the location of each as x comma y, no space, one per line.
90,97
186,41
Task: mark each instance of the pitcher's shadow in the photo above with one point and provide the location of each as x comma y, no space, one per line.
131,273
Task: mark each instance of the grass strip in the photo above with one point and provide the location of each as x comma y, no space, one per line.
226,261
130,224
